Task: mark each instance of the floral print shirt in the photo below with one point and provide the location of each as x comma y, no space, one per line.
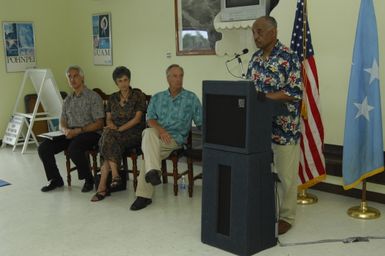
122,114
80,110
281,71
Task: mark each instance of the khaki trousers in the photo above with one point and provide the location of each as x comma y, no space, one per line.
154,151
286,163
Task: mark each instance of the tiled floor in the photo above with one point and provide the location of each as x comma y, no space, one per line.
64,222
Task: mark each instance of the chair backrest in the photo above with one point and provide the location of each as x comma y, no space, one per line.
148,98
189,140
103,95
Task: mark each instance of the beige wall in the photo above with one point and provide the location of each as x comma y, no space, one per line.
51,36
144,31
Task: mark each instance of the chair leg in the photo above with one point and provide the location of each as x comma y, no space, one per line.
100,164
190,173
95,164
164,172
125,165
175,174
90,165
68,166
134,158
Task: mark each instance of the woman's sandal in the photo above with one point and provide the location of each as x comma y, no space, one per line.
116,182
99,196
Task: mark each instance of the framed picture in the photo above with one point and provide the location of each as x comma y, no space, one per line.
195,33
19,46
102,38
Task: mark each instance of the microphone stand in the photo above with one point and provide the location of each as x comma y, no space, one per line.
238,57
240,64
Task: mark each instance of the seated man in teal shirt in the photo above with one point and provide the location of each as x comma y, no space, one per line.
169,117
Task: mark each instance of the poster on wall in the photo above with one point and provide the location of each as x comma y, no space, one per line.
102,40
19,46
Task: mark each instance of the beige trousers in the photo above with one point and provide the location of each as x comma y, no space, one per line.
286,163
154,151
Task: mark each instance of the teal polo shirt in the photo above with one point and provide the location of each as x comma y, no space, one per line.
176,114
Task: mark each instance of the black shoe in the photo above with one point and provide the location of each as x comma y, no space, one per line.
153,177
52,184
140,203
283,227
88,186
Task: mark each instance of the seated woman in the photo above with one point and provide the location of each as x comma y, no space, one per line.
124,128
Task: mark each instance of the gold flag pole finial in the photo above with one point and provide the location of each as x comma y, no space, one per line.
363,211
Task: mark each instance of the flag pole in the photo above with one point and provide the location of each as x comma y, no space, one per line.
304,198
363,211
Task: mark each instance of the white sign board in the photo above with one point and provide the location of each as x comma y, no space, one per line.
13,130
45,86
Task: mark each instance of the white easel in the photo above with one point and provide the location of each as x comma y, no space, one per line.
47,94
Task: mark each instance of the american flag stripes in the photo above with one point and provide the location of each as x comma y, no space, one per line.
312,161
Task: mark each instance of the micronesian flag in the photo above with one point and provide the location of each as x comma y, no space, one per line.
363,150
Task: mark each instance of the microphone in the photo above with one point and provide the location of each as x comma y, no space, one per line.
237,55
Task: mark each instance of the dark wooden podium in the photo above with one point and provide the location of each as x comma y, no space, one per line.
238,199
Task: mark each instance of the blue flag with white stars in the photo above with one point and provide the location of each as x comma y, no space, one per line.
363,150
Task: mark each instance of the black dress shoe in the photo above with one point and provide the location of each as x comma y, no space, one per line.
88,186
283,227
140,203
52,184
153,177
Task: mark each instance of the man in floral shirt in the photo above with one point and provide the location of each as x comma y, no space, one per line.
275,69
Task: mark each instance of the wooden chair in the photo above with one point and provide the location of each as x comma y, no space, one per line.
193,155
103,95
174,157
92,156
134,152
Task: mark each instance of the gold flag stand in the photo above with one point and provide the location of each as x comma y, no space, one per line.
304,198
363,211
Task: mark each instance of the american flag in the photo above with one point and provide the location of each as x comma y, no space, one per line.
312,161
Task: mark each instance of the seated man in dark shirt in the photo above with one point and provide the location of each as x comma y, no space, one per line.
81,121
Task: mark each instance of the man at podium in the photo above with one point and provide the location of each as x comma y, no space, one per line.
81,121
275,69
